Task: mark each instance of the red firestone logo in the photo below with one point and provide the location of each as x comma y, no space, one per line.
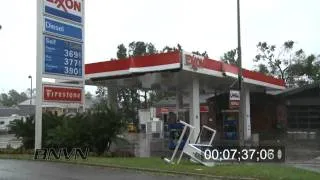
62,94
194,61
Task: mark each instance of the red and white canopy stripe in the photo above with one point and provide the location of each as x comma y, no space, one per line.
176,61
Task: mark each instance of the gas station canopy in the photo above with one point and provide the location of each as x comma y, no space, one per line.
174,70
184,73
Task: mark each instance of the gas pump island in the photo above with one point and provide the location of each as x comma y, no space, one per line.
189,75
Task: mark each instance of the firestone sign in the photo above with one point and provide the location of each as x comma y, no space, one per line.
62,94
67,9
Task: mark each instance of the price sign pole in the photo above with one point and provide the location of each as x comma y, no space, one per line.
60,56
38,117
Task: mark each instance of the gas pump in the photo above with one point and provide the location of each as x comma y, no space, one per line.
230,124
175,130
193,150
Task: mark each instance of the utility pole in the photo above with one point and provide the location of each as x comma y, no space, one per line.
30,77
241,123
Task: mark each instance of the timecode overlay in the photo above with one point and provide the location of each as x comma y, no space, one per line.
242,154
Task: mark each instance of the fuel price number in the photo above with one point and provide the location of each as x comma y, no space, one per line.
72,62
63,57
72,59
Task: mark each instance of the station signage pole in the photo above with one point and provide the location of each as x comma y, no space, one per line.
60,56
38,102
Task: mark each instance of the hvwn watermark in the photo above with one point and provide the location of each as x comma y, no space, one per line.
59,153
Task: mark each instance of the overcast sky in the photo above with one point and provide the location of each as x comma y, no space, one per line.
203,25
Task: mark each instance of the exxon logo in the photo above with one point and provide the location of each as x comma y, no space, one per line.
66,5
195,61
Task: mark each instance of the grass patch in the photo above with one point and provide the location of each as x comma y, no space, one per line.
255,170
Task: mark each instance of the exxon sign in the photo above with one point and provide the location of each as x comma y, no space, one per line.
67,9
195,61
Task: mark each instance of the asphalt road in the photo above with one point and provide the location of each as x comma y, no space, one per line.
23,170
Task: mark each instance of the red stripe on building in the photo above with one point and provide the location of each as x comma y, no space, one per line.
204,109
229,68
212,64
253,75
107,66
155,60
261,77
133,62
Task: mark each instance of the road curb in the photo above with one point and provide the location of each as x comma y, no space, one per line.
139,169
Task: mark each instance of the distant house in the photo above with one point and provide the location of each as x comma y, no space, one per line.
57,107
26,109
8,114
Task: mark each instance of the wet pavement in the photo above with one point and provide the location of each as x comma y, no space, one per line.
23,170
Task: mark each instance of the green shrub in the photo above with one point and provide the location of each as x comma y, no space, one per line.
71,132
106,124
95,130
24,129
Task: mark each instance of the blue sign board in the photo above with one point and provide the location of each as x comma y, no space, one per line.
62,57
62,29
